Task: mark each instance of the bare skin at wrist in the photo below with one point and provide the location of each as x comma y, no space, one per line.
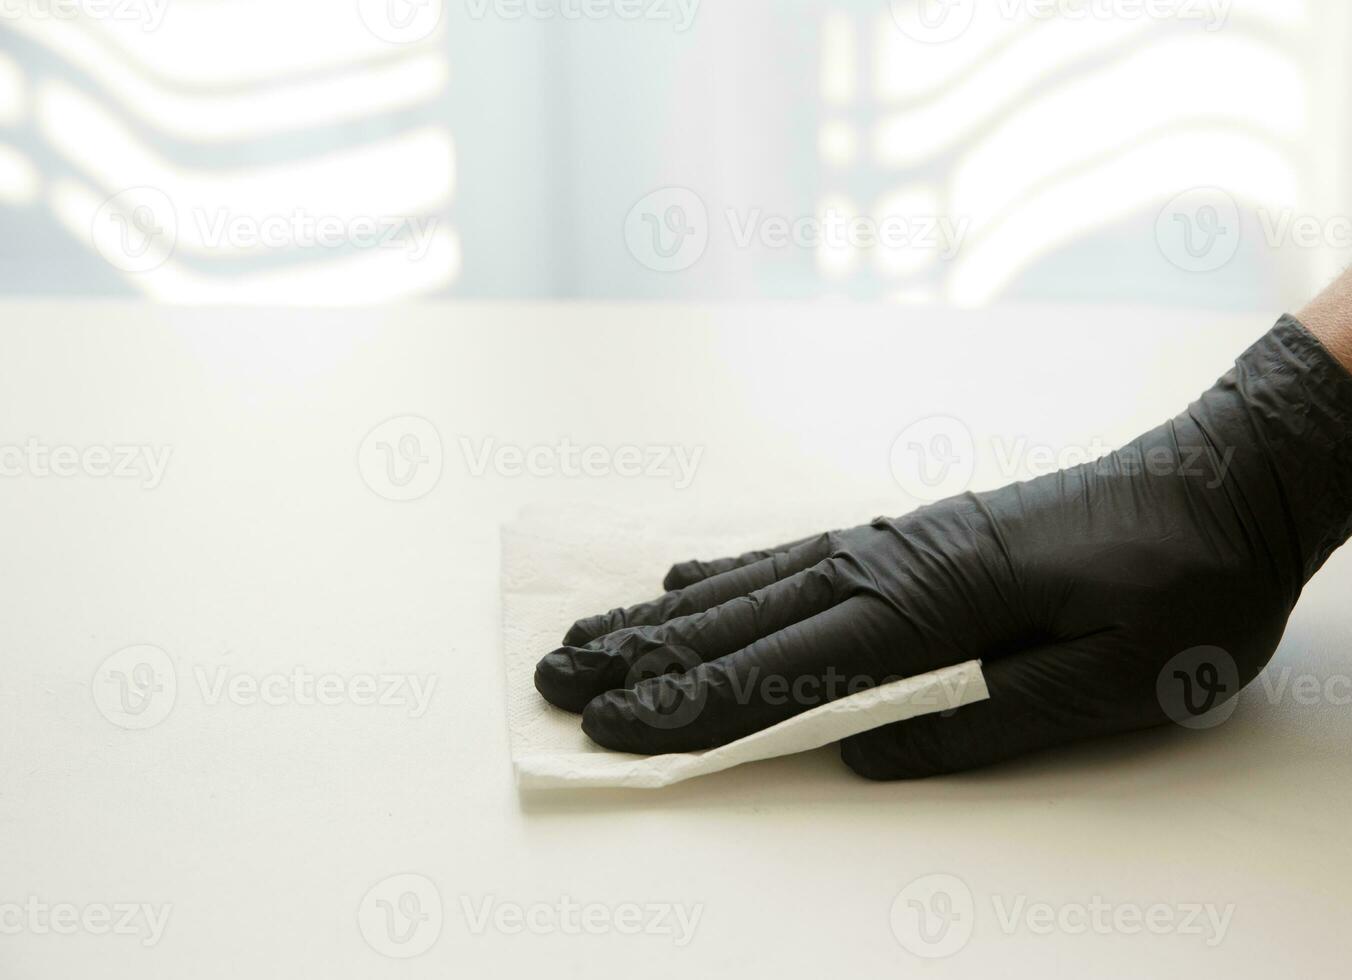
1329,317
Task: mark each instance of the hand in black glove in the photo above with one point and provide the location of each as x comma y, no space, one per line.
1101,599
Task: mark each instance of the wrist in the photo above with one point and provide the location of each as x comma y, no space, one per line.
1328,318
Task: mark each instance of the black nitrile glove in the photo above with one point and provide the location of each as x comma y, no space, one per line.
1090,594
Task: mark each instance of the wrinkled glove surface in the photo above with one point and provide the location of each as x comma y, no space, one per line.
1151,584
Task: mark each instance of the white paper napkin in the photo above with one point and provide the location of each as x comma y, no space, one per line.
560,564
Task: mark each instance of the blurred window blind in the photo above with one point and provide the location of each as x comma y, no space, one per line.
269,151
1169,151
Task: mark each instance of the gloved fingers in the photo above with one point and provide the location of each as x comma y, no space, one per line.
1038,698
848,648
739,622
571,676
687,573
704,594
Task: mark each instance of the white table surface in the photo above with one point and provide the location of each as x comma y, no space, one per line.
262,550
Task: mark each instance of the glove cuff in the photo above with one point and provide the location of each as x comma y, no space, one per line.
1298,399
